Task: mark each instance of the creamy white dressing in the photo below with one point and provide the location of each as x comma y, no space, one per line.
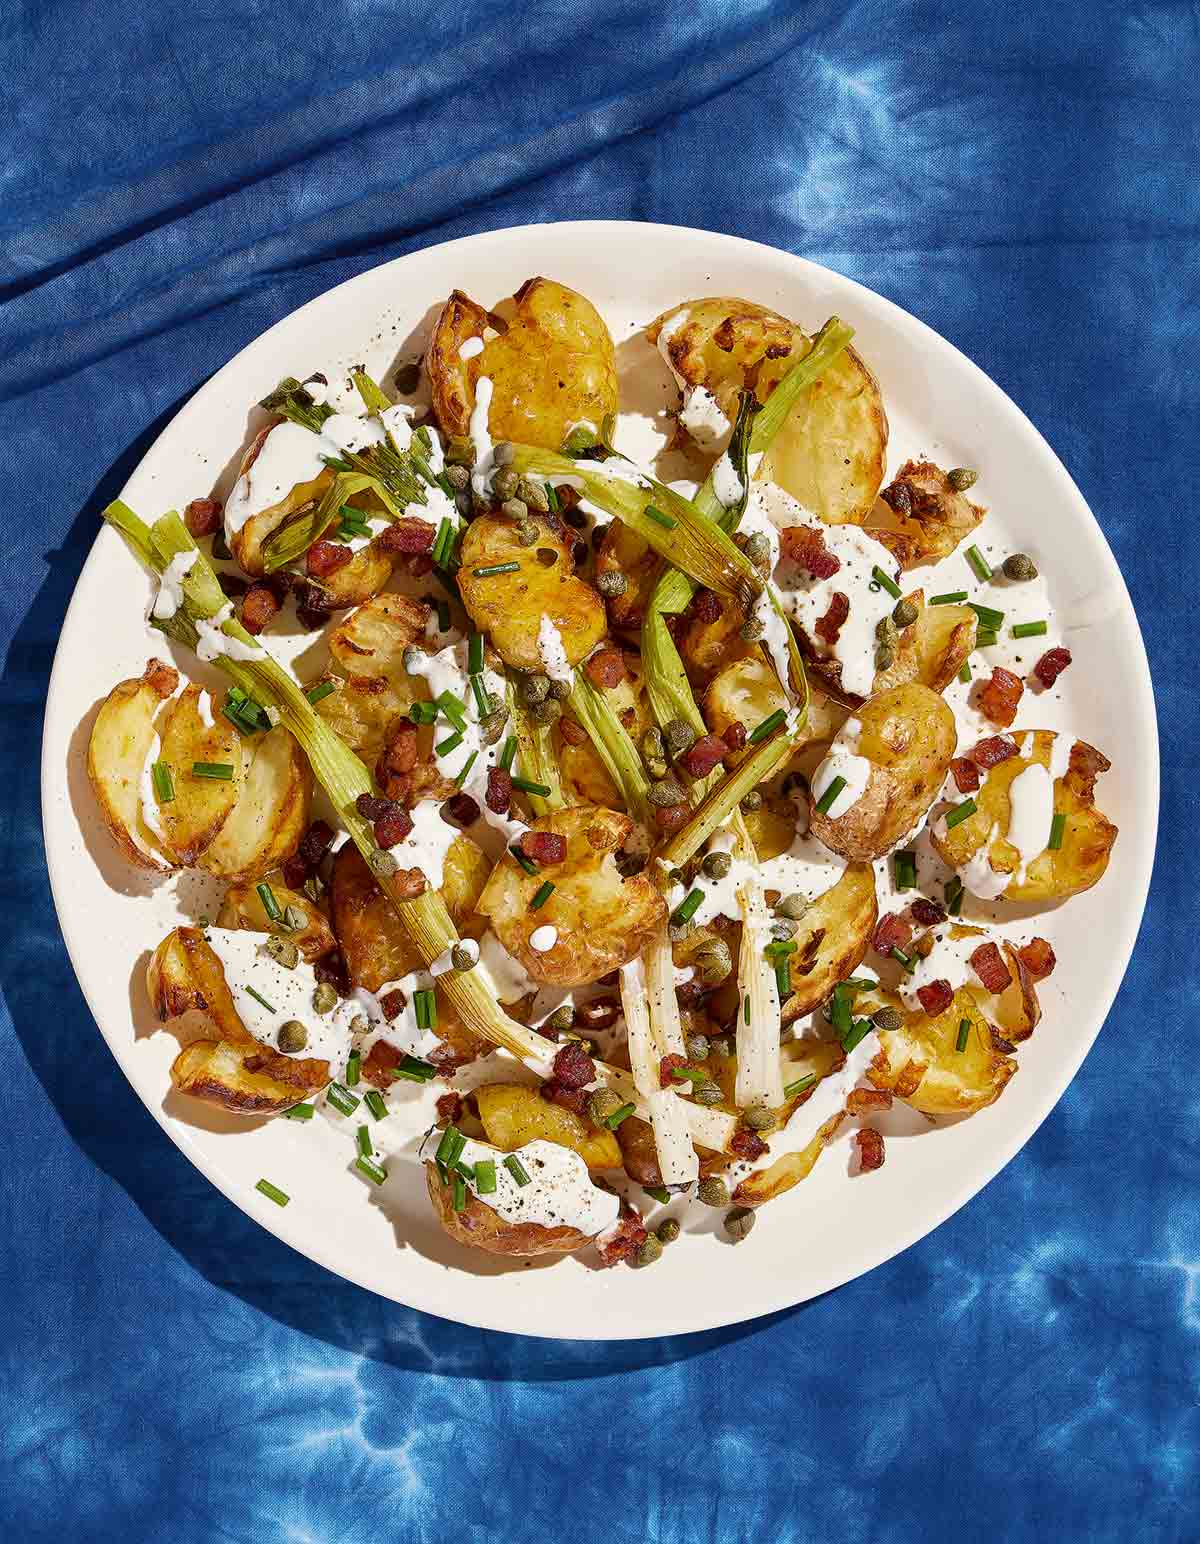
1031,811
807,868
776,633
949,960
842,760
552,653
978,876
543,938
727,485
509,978
481,437
288,456
426,845
350,433
147,797
559,1192
470,347
204,710
402,1032
827,1099
703,419
170,585
213,641
397,424
720,895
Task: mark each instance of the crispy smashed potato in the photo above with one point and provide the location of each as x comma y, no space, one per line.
357,581
479,1227
623,551
748,691
832,939
818,1058
510,607
920,518
1015,1011
1087,838
271,814
367,663
908,736
554,366
243,908
201,806
831,452
233,1069
247,543
600,920
921,1064
932,649
117,749
514,1114
584,777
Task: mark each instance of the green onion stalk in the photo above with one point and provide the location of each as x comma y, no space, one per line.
535,744
289,543
613,745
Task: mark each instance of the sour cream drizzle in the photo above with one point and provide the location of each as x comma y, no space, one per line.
170,586
552,653
842,760
559,1192
213,641
481,437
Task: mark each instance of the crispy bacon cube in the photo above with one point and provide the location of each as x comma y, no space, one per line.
936,997
870,1149
988,964
805,546
966,774
830,625
1051,665
998,698
892,932
1038,958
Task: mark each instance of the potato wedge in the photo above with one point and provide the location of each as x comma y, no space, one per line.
709,647
514,1114
367,662
1087,838
921,1064
748,691
831,452
553,367
117,750
271,814
202,805
357,581
243,908
246,544
820,1058
599,920
933,649
478,1226
920,518
510,607
908,737
832,939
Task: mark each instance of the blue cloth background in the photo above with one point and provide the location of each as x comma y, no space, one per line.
178,176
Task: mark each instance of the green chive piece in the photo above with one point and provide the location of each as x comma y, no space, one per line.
475,654
790,1090
553,499
164,783
515,1167
988,615
689,1075
658,1193
964,673
301,1112
1057,826
655,514
443,539
423,713
460,1194
544,892
489,569
906,870
952,598
467,1170
453,708
259,998
840,1014
413,1070
858,1032
273,1192
826,801
375,1172
353,1068
768,726
746,1009
959,813
541,789
964,1029
687,908
482,700
985,637
322,689
508,753
420,1006
270,905
450,743
781,946
445,1148
461,776
1029,629
343,1101
979,563
618,1115
485,1176
373,1100
526,863
365,1146
882,579
859,983
215,771
337,463
783,977
904,960
954,891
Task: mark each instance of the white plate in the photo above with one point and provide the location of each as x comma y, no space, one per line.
829,1229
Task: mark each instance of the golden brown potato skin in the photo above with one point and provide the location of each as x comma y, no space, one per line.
479,1227
602,920
921,1063
243,908
931,519
908,736
932,650
832,939
831,452
366,653
117,749
247,543
271,814
555,366
515,1114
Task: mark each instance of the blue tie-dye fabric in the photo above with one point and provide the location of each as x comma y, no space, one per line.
175,178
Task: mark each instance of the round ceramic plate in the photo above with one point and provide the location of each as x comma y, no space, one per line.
832,1227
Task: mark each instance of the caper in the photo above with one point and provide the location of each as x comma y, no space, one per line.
382,864
408,377
667,1232
547,557
793,906
601,1104
535,688
714,961
534,494
1020,566
503,453
679,736
505,483
758,1117
720,1045
294,918
611,583
753,801
414,658
458,477
665,793
548,712
887,633
491,727
887,1018
325,997
464,503
515,509
738,1223
904,613
463,957
292,1036
713,1191
885,658
751,630
460,450
283,951
650,1251
560,690
527,533
961,478
716,864
758,549
784,928
562,1018
696,1047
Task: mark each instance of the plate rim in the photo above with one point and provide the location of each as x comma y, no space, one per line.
275,1220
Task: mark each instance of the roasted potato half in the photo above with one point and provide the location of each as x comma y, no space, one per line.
831,452
192,738
243,908
1015,1011
908,737
598,920
513,1114
271,814
553,367
1087,838
510,607
933,648
366,654
480,1227
623,551
233,1069
821,1059
358,580
246,544
921,1063
748,691
117,750
921,518
832,939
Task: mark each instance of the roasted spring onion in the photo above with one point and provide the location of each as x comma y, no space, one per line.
677,1160
296,535
613,745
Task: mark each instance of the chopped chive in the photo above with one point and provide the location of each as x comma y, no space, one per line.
840,1013
301,1112
343,1101
859,983
826,802
964,673
526,863
322,689
413,1070
959,813
352,516
790,1090
489,569
1057,826
687,907
857,1033
460,1193
373,1100
445,1148
444,538
689,1075
270,905
988,615
467,1170
658,1193
450,743
423,713
746,1008
1029,629
453,708
904,960
337,463
444,483
964,1029
482,701
509,751
954,891
951,598
768,726
783,976
667,521
425,1004
985,637
164,783
544,892
906,870
781,946
889,585
475,654
622,1113
553,499
443,616
979,563
485,1176
515,1167
365,1146
273,1192
259,998
375,1172
541,789
461,776
215,771
353,1068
